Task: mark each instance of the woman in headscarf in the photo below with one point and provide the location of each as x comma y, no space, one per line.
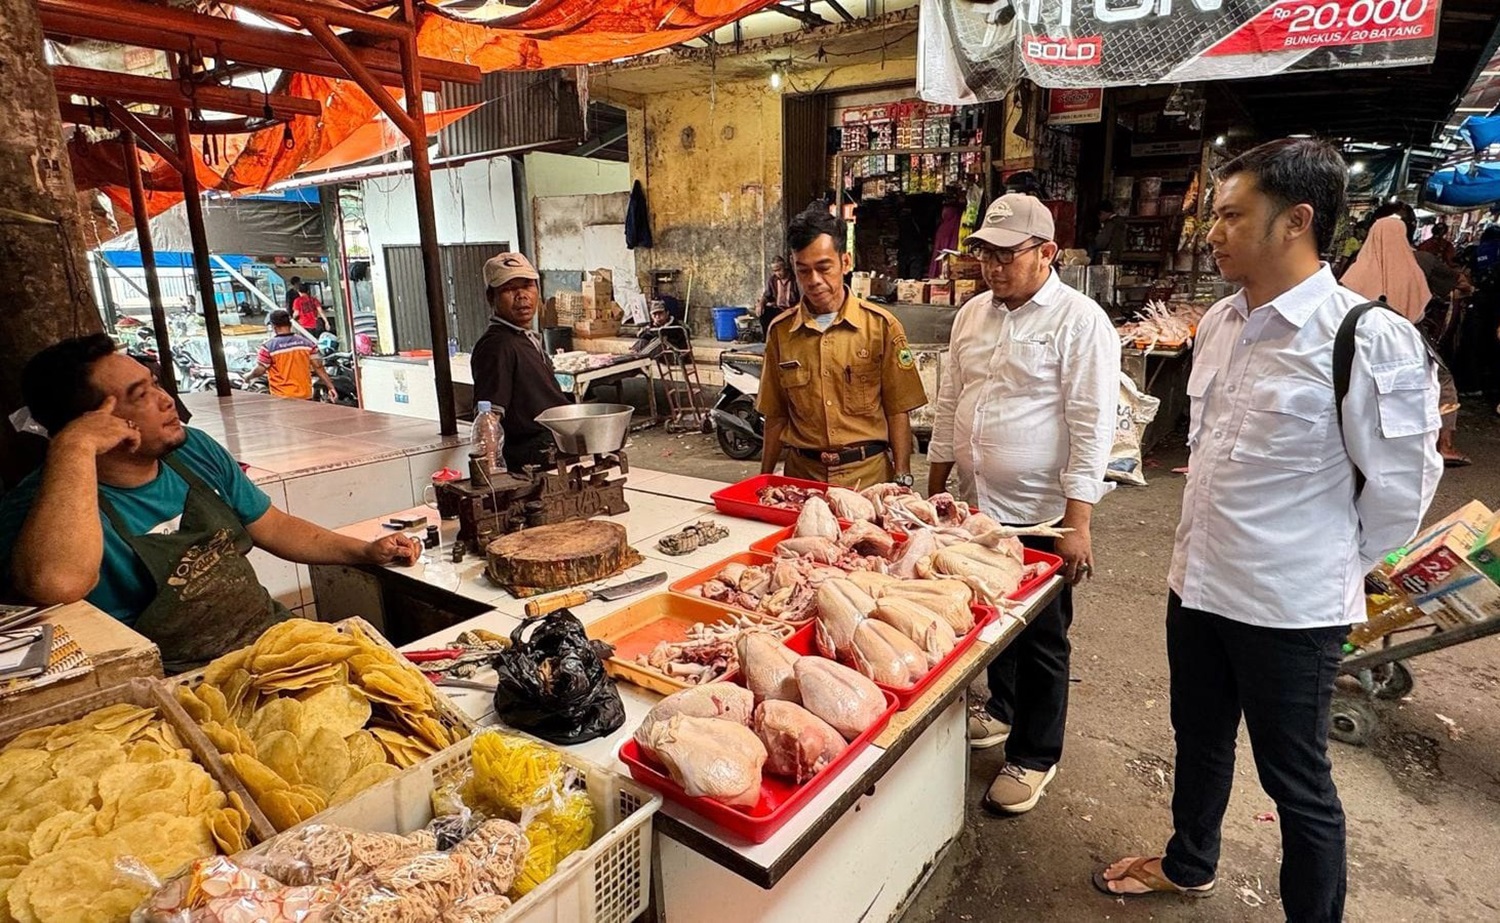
1386,270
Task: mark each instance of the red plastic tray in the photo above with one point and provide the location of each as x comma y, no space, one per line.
802,642
740,499
699,577
1051,563
780,799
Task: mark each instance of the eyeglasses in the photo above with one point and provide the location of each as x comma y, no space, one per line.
1003,257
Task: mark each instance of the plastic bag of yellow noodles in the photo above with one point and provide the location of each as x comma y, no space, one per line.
526,781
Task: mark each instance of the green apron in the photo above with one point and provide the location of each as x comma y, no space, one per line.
208,600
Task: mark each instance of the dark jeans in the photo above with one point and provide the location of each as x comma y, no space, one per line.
1281,680
1029,681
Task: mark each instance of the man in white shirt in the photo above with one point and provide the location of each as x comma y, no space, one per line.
1026,413
1276,532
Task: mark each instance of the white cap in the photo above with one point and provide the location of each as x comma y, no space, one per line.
504,267
1013,219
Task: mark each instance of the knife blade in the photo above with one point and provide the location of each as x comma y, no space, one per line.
547,604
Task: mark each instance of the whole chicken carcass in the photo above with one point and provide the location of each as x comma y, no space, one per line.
919,544
841,606
949,600
886,655
851,506
838,695
872,582
766,665
912,507
993,574
868,539
951,511
816,520
798,743
711,700
814,547
932,634
711,758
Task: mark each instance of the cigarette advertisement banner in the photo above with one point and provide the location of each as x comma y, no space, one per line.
971,51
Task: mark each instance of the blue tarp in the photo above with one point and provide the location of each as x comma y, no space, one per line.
172,259
1481,130
1464,186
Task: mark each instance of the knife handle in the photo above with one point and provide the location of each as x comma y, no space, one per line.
548,604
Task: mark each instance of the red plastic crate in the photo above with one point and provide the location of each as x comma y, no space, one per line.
803,643
780,799
740,499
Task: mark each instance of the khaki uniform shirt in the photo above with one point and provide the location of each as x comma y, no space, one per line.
836,387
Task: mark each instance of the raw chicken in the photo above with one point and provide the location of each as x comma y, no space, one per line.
949,600
919,544
868,538
766,666
993,574
950,510
711,758
841,606
711,700
838,695
798,743
815,547
816,519
932,634
871,582
851,506
979,523
887,656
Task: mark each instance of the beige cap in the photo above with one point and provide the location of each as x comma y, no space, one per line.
504,267
1013,219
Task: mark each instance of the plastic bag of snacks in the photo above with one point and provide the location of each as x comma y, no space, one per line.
220,890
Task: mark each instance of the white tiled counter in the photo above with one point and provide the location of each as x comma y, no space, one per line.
858,851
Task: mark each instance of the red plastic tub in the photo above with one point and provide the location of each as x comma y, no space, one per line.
741,500
802,642
780,799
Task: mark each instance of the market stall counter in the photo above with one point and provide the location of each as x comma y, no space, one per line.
858,849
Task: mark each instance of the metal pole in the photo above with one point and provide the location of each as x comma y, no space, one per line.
193,201
168,372
421,171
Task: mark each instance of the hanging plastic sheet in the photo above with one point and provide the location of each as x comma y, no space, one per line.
1465,186
1481,130
1095,43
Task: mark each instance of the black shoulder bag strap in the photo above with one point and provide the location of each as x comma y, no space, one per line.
1343,367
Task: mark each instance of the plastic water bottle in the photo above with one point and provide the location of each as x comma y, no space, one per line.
486,436
452,347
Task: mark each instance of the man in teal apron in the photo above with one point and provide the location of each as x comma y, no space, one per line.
147,519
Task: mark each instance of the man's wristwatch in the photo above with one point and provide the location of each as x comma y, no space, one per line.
904,480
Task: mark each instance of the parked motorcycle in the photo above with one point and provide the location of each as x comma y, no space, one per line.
340,368
740,427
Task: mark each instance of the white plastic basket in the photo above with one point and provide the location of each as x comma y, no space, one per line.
608,882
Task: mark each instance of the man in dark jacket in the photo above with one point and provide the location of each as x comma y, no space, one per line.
510,369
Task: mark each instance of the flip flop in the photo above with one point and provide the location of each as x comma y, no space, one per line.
1154,883
1457,461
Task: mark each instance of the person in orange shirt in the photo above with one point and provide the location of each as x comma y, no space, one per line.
289,360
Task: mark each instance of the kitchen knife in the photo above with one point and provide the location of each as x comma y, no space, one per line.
572,598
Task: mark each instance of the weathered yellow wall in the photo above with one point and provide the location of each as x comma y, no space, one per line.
716,203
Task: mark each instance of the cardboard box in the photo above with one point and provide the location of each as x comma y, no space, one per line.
1485,555
910,291
963,290
1441,551
598,288
1466,596
861,285
568,307
939,291
958,266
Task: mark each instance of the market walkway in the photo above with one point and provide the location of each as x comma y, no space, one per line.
1423,801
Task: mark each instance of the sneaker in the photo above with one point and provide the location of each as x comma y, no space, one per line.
1016,789
985,730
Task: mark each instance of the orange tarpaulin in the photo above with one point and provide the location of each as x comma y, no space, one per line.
548,34
378,137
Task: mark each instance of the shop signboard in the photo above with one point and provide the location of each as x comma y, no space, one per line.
975,51
1081,106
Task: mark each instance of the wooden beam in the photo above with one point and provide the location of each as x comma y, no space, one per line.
87,115
333,13
135,127
367,82
803,16
147,25
102,85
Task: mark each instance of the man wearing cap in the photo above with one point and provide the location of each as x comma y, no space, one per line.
839,378
1026,413
510,369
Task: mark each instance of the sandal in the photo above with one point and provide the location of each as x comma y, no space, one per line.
1154,883
1457,461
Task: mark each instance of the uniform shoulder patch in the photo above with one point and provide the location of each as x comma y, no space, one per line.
904,357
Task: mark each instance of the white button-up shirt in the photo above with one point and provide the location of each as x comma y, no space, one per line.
1271,532
1027,404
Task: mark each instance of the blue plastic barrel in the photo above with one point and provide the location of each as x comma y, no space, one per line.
724,322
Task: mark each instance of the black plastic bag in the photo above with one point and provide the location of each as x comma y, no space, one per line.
553,683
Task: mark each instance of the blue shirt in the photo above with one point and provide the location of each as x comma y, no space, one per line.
125,587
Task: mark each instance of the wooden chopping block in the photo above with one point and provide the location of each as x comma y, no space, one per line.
561,555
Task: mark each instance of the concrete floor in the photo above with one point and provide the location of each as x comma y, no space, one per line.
1423,800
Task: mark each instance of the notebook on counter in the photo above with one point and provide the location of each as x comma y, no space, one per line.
25,652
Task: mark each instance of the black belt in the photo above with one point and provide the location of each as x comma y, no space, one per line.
849,456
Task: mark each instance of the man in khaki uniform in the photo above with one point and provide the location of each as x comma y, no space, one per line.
839,378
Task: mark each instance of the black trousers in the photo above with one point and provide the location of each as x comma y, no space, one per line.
1029,681
1281,681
